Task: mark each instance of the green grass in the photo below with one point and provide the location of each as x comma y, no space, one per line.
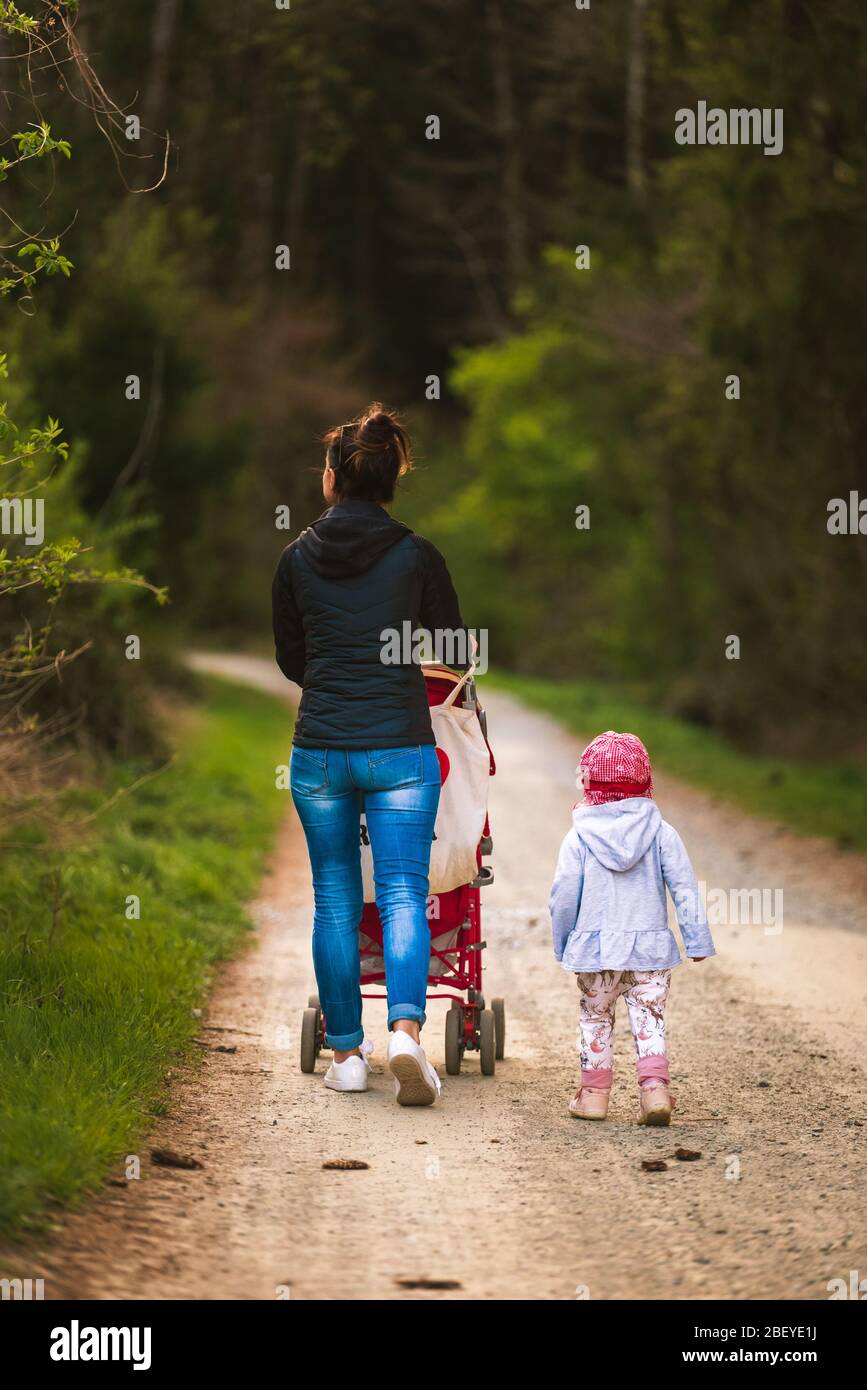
94,1011
829,800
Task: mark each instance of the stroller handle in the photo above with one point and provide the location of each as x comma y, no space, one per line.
459,685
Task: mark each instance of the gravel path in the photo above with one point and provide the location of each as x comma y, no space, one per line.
496,1192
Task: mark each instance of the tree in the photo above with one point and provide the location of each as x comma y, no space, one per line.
35,572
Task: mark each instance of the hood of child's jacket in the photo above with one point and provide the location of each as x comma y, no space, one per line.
619,833
349,538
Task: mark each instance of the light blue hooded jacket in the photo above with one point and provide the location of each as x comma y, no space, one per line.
608,904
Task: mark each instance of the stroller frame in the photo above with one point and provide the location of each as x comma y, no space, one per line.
470,1026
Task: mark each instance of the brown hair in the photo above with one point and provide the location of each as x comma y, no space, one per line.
368,455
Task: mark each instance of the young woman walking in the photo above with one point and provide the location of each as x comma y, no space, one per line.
363,739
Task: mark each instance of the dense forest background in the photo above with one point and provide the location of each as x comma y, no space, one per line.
413,259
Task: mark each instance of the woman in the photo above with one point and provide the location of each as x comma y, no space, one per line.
363,739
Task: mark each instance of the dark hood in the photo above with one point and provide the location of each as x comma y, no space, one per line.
349,538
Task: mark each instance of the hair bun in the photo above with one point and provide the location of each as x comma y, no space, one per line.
377,429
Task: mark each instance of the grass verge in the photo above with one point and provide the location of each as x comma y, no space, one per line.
94,1007
829,800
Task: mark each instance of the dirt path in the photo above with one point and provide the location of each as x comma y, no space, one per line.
497,1188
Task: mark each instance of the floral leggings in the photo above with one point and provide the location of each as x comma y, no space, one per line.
646,995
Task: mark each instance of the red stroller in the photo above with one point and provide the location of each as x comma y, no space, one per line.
456,943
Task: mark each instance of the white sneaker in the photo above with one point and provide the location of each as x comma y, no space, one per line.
351,1074
415,1080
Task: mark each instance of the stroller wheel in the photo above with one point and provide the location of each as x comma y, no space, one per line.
313,1001
487,1041
498,1009
454,1038
309,1039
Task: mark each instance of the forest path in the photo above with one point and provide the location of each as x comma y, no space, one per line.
496,1190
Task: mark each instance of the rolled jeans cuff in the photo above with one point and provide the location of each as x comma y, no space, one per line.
411,1011
345,1042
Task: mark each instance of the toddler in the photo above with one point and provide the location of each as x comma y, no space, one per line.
610,920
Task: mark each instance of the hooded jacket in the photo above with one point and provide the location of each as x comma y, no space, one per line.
608,905
350,576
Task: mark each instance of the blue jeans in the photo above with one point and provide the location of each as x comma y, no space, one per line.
399,791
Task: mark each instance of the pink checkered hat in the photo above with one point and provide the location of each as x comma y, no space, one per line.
614,767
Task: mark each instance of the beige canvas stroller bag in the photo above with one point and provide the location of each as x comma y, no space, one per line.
463,802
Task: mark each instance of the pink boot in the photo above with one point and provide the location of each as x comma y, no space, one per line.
589,1105
656,1104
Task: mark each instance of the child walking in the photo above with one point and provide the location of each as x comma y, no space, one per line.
610,921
